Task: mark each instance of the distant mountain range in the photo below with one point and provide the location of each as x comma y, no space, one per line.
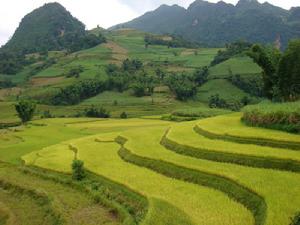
215,24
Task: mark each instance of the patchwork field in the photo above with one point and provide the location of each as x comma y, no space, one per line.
41,84
170,173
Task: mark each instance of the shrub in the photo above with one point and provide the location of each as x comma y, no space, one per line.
25,110
296,220
100,112
78,172
216,102
75,72
47,114
123,115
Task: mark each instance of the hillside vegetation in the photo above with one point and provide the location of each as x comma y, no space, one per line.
159,64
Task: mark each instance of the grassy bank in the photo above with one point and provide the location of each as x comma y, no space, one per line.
279,116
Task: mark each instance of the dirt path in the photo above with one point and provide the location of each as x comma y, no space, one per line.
119,54
45,81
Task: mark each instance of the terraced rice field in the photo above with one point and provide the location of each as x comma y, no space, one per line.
185,173
28,199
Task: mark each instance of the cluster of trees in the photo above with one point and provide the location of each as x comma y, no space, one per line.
171,42
231,50
216,101
74,42
121,78
11,63
184,85
251,85
97,112
79,91
132,75
281,71
6,83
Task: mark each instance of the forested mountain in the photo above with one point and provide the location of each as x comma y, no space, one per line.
215,24
50,27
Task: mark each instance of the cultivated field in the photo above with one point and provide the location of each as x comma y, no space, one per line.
179,173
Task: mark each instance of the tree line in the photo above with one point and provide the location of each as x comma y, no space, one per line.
281,71
171,42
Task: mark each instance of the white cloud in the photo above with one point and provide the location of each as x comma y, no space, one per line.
95,12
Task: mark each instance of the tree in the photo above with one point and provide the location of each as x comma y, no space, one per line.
123,115
216,102
160,75
78,172
289,72
201,75
151,83
281,72
268,59
25,110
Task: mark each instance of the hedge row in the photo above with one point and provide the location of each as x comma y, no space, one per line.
252,201
240,159
249,140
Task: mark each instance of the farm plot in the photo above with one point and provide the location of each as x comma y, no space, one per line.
102,158
230,127
224,182
31,200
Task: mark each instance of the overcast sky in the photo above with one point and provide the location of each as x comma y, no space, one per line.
95,12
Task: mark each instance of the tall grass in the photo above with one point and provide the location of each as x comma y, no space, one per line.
279,116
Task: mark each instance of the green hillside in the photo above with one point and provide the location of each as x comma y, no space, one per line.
237,65
36,82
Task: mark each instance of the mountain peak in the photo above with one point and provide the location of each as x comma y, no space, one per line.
199,3
43,28
247,1
167,7
243,3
